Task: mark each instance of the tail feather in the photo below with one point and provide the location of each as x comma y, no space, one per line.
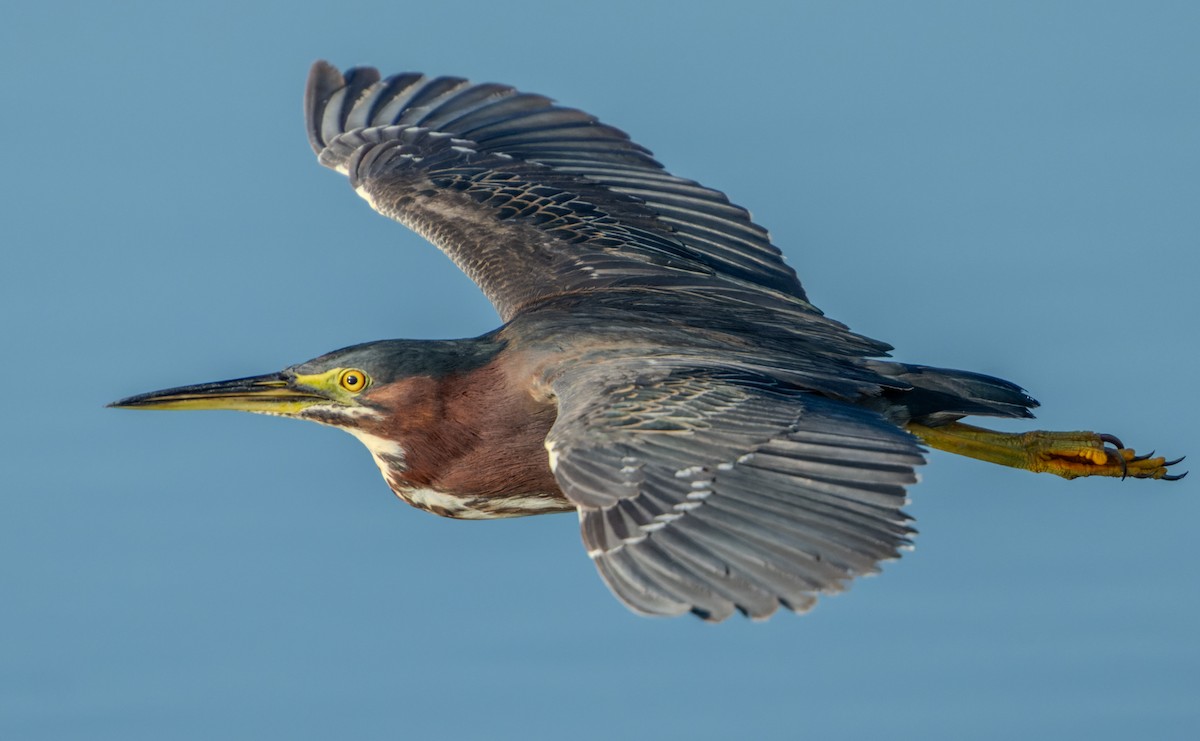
940,395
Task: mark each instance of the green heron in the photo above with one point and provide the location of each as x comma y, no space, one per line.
660,370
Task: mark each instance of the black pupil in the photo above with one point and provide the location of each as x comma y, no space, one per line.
351,380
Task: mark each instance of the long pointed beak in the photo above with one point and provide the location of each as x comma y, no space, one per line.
269,394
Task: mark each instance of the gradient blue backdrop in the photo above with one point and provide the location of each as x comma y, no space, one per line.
1006,187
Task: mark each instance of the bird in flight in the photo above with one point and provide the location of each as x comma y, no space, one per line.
660,370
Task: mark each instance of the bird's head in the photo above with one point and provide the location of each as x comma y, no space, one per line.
348,388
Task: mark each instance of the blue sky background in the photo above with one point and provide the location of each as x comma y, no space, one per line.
1008,187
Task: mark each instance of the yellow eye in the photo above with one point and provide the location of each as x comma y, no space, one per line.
353,380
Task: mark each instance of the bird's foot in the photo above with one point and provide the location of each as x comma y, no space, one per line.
1066,454
1075,454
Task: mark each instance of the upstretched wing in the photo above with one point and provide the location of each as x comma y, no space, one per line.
531,199
713,491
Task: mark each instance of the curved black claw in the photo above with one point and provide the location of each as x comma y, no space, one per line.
1144,457
1115,441
1174,476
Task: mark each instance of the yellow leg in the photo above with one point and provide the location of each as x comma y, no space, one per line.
1066,454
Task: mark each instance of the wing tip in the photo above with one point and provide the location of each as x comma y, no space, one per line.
323,81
